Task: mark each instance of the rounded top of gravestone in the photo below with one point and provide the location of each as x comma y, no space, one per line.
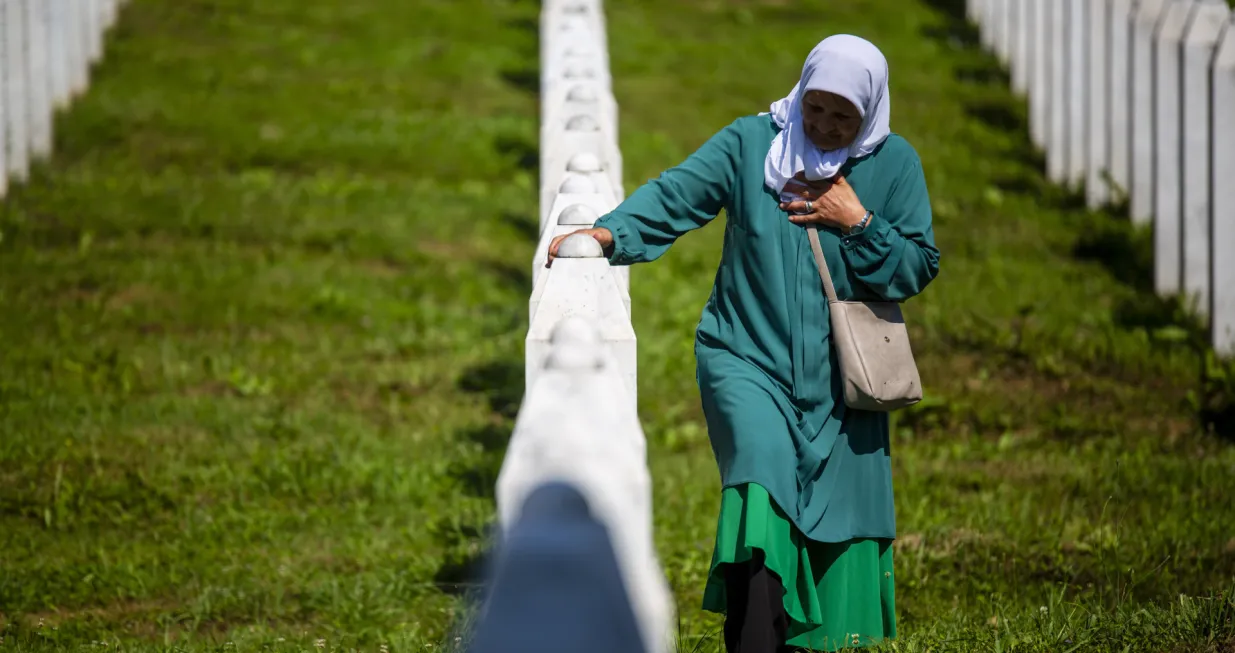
582,93
575,358
582,123
580,246
584,162
574,330
575,341
1207,26
576,214
576,184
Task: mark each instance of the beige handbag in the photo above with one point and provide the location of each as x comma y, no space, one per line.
872,343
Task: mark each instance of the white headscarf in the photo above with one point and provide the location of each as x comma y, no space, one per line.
852,68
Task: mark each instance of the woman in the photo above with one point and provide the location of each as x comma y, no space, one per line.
803,554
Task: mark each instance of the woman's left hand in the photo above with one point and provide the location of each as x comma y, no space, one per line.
836,206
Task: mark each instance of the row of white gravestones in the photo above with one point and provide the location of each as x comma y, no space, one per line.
46,50
579,421
1133,99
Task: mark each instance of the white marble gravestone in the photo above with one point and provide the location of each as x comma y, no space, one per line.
1119,99
1141,187
1198,53
1098,97
1222,174
1168,149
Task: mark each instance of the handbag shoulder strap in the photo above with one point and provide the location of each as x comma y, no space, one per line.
812,232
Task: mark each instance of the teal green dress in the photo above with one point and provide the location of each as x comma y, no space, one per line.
804,478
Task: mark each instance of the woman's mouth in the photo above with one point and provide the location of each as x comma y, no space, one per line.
828,138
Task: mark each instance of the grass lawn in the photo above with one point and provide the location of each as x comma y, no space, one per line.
262,320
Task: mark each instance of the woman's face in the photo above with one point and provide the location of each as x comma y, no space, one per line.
831,121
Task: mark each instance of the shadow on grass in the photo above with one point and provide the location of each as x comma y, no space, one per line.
462,574
479,478
514,278
500,383
958,30
998,114
1127,253
526,225
525,154
526,79
1031,182
524,24
1218,415
987,73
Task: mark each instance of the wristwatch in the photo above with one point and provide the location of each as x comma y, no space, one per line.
861,226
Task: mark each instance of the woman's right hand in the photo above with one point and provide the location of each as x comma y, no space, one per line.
602,236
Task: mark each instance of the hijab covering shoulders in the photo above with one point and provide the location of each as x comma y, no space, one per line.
852,68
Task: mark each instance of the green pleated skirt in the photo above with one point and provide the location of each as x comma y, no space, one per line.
836,595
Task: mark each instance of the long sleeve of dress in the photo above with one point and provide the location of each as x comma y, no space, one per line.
682,198
896,258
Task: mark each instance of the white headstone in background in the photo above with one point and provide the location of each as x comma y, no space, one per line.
975,9
4,102
1040,69
1098,96
1006,40
993,27
1119,132
94,29
1148,14
1012,30
1018,26
43,44
59,53
1222,174
983,21
38,80
16,70
1057,126
1168,150
1198,52
1078,36
78,47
